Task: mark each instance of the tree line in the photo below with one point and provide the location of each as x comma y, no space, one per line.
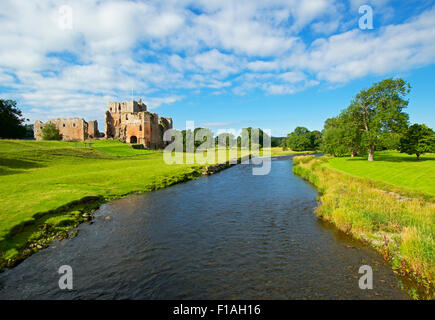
12,122
223,139
376,120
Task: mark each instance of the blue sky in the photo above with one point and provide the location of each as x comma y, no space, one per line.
223,64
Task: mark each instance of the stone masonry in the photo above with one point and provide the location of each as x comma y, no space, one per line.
73,129
131,122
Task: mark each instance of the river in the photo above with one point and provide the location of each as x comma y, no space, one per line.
231,235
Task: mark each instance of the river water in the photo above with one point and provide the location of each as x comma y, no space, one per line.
231,235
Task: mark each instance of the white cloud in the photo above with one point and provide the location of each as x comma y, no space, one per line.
165,50
357,53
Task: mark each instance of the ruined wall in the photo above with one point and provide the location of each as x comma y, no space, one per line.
141,126
127,106
164,124
93,129
73,129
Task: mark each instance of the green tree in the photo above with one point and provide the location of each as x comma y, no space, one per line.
418,140
206,132
29,131
276,141
262,136
283,144
381,110
333,138
352,129
225,139
390,141
11,120
299,140
50,132
316,139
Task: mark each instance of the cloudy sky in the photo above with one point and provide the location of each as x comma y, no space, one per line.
223,64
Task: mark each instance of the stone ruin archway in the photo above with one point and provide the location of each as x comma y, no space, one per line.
133,139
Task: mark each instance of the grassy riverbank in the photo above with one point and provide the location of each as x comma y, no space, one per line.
387,211
49,187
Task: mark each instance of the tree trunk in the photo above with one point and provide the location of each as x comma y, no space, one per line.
371,153
354,152
418,156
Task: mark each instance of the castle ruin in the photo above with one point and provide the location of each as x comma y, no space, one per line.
73,129
131,122
127,121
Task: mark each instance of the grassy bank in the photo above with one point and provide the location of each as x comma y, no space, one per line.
49,187
396,221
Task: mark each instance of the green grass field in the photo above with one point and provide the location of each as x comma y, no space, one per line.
394,168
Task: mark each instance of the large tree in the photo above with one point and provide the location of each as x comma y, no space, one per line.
418,140
381,110
11,120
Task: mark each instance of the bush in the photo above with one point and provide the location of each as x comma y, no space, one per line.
50,132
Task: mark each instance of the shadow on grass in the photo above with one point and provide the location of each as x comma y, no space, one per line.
13,166
388,158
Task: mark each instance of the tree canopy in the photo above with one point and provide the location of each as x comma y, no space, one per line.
380,110
50,132
374,120
342,135
302,139
333,141
418,140
11,120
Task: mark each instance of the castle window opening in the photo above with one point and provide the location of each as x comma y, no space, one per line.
63,125
140,128
133,139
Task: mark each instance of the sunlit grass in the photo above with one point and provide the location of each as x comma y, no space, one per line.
400,226
392,167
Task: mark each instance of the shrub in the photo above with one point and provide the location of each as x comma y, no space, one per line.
50,132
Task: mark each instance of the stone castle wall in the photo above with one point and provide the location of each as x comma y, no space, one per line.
130,122
72,129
